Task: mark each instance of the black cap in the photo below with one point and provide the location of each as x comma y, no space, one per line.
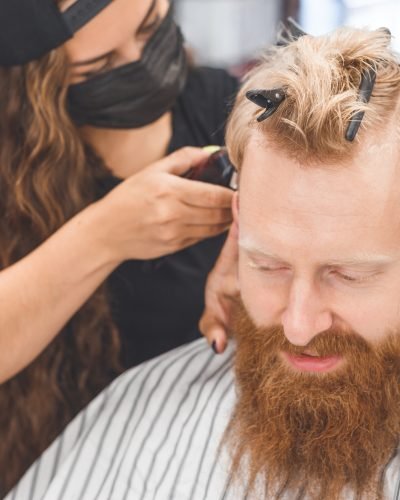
31,28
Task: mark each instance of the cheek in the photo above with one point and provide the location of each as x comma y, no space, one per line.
373,316
163,7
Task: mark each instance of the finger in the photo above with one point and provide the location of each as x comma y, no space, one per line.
215,334
179,162
220,341
198,233
207,216
230,291
203,194
228,258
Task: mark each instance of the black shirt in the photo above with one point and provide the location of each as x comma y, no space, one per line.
157,304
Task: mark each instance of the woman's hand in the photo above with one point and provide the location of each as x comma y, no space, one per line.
156,212
221,295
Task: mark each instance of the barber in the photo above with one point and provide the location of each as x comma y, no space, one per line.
93,96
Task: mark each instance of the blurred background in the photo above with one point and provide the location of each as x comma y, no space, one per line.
230,33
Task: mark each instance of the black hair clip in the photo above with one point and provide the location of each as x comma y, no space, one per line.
270,100
387,32
293,32
368,78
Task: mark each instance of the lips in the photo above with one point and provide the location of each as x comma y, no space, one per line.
310,363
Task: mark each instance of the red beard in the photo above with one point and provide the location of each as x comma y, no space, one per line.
314,433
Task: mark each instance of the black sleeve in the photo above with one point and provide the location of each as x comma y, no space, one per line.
202,109
158,307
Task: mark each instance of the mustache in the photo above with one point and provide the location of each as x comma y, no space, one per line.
327,343
331,342
311,433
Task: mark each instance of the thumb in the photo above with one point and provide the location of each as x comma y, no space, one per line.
214,331
179,162
228,258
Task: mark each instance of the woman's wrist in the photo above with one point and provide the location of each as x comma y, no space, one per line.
94,225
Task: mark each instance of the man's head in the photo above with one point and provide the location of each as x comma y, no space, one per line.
319,265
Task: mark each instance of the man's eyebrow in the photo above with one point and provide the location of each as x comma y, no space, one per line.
108,54
361,260
251,247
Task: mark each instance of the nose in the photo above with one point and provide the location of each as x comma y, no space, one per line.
306,315
128,52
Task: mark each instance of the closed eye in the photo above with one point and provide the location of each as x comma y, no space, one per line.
353,278
107,64
266,268
346,277
150,28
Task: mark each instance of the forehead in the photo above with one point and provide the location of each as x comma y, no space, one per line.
331,209
108,29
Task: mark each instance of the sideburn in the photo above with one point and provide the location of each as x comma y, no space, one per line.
320,436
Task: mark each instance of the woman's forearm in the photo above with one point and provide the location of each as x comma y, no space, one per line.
42,291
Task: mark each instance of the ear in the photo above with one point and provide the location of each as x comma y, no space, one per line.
235,209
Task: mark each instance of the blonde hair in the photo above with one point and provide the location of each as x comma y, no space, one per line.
321,78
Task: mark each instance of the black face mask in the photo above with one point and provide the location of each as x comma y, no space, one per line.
136,94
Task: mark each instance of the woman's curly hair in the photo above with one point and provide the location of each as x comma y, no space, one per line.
47,175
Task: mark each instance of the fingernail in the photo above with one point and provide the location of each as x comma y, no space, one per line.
211,148
214,347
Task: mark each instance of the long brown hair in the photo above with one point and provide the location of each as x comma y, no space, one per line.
47,175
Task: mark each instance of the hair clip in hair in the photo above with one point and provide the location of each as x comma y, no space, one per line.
290,33
295,29
386,31
270,100
368,78
366,88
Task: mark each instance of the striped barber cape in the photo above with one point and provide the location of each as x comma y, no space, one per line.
153,434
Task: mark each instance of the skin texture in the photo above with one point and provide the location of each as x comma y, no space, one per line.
116,29
303,291
319,278
319,245
222,294
120,30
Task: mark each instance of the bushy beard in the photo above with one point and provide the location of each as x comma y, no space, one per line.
314,435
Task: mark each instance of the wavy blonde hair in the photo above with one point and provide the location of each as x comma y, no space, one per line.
47,175
321,77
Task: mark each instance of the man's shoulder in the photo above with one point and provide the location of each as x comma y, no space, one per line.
182,369
144,413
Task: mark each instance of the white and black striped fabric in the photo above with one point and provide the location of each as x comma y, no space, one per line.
153,434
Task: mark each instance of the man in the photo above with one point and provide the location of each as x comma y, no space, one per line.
312,407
